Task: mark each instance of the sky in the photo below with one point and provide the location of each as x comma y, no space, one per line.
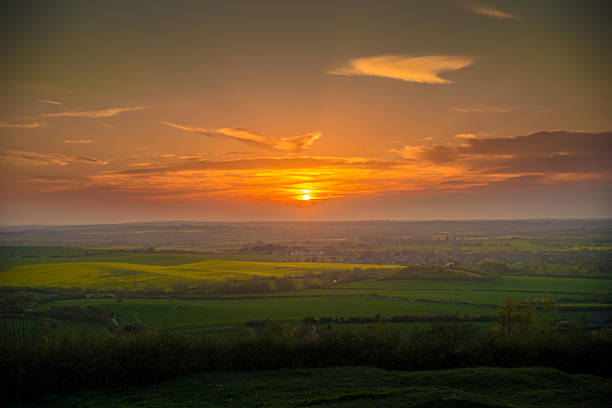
122,111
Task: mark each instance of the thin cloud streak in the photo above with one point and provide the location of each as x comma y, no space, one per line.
286,144
193,129
488,11
78,141
32,125
104,113
50,102
424,69
190,163
29,158
496,109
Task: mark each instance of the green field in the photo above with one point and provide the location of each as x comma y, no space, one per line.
358,387
233,313
493,292
506,283
366,298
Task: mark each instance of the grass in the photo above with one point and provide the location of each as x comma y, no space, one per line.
358,387
230,314
552,285
115,275
494,292
442,294
233,313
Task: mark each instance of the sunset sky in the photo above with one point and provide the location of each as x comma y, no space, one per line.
115,111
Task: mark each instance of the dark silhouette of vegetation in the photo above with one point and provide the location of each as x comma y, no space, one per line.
406,318
90,313
35,360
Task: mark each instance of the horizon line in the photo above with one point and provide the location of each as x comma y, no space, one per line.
313,221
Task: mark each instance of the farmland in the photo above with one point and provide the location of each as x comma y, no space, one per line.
370,299
132,274
116,310
107,275
233,313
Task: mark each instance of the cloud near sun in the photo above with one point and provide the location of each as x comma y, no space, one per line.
286,144
540,153
424,69
104,113
536,159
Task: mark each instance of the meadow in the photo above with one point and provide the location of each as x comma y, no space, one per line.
504,283
233,313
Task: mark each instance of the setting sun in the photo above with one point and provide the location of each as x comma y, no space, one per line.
306,197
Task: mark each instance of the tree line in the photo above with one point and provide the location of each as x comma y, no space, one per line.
35,361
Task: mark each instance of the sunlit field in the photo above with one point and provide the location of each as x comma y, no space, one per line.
116,275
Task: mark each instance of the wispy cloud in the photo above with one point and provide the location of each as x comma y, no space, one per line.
32,125
488,11
465,136
424,69
78,141
50,102
286,144
496,109
193,129
28,158
104,113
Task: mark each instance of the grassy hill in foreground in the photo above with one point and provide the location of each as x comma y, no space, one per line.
359,387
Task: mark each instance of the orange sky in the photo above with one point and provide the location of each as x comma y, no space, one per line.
131,111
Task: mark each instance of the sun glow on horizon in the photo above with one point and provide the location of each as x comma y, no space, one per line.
305,195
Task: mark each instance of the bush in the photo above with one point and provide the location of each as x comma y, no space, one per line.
35,361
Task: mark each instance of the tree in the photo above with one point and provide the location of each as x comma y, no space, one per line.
547,314
513,320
